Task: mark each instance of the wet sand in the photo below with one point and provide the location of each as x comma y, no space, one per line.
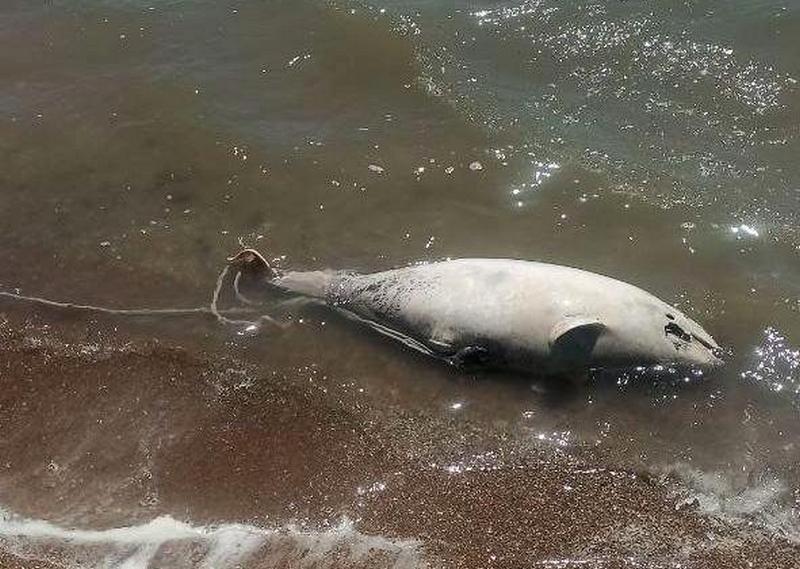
13,562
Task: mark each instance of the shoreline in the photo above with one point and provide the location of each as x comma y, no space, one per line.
174,432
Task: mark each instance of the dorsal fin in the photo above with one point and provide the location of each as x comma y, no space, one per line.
574,322
572,339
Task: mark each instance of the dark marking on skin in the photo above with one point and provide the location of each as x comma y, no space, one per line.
676,330
471,356
384,298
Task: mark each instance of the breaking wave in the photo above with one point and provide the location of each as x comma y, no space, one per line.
167,542
762,500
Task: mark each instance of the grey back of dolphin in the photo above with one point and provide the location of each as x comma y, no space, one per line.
513,314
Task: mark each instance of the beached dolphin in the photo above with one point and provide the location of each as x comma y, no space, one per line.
508,314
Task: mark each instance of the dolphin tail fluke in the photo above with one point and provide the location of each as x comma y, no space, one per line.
255,268
252,263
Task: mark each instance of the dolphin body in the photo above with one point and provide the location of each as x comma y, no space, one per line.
507,314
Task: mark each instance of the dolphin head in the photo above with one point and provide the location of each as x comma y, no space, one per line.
692,344
652,332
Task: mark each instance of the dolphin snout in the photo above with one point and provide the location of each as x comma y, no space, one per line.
699,357
706,353
716,359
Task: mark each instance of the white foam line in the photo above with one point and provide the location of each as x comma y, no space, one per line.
155,531
212,547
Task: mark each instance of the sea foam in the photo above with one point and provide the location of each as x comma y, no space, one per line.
167,542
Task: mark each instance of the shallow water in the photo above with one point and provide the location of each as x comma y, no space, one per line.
141,142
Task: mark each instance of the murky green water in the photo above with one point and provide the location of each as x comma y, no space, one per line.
141,142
